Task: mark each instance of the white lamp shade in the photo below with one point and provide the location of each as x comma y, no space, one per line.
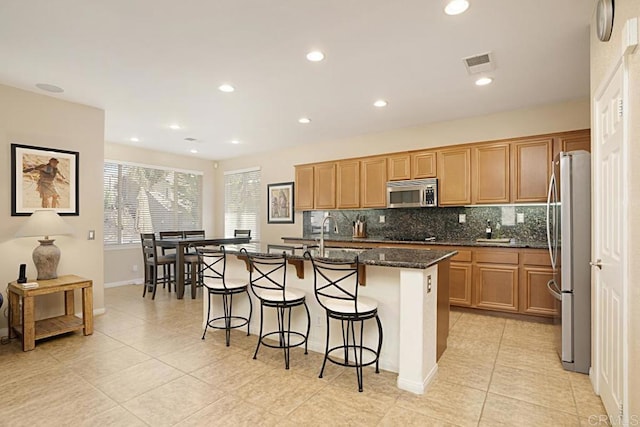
44,222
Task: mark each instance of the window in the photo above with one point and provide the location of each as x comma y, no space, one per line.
147,199
242,201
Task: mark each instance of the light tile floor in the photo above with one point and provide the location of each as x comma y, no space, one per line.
146,365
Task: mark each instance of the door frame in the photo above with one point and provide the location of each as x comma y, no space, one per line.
596,335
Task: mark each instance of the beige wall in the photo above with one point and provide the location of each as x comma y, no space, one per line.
32,119
278,166
119,262
604,56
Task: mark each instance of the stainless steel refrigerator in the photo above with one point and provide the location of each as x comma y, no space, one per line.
569,239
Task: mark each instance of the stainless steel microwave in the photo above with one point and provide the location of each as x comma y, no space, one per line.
415,193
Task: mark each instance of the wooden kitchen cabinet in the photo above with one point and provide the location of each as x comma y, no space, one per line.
495,277
454,176
423,165
490,173
534,275
460,274
304,188
399,167
324,186
531,169
571,141
348,184
373,182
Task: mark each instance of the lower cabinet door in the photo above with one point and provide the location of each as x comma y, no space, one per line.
535,297
496,287
460,284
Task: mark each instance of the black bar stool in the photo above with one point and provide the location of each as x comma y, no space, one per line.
268,273
212,267
336,289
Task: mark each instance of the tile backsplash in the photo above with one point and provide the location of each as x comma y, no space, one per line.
420,223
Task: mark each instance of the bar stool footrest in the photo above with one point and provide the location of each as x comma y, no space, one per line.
366,353
212,323
293,334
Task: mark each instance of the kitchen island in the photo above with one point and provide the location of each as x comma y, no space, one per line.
411,287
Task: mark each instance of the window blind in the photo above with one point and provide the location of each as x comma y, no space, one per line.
147,199
242,201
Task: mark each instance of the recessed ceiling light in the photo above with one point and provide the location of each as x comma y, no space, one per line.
49,88
226,88
380,103
235,141
194,151
134,139
174,126
483,81
456,7
315,56
304,120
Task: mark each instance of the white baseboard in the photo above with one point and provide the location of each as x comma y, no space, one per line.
416,386
137,281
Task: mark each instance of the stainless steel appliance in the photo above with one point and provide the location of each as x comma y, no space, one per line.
416,193
569,239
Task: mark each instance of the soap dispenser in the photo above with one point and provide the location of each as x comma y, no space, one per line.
488,229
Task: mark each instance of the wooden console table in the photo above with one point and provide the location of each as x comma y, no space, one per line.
21,317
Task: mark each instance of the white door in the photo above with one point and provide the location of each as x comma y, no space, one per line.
610,252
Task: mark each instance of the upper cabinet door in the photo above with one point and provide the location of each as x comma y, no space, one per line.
490,166
454,177
572,141
532,169
324,188
423,165
348,193
399,167
304,188
373,180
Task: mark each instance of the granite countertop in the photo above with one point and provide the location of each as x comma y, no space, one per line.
340,239
384,257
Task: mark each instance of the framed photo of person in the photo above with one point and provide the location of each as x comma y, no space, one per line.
280,203
44,178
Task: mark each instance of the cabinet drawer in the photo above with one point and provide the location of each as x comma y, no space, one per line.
536,258
496,257
463,255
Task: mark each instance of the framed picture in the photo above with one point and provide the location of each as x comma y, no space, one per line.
43,178
280,203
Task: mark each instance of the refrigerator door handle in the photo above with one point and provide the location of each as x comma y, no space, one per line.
553,289
549,243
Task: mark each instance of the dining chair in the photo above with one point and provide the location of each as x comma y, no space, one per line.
212,275
335,285
191,260
241,233
267,278
152,263
169,252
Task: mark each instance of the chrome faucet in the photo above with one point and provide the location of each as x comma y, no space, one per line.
335,229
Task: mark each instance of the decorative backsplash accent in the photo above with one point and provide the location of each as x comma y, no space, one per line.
421,223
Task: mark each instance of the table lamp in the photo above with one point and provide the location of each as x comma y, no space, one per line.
45,222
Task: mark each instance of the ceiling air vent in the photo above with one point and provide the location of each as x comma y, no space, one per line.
479,63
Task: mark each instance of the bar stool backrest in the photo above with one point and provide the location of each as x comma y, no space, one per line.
335,280
213,264
268,272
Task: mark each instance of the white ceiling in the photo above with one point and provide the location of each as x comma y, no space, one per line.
151,63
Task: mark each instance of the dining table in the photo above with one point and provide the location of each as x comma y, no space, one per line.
181,245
